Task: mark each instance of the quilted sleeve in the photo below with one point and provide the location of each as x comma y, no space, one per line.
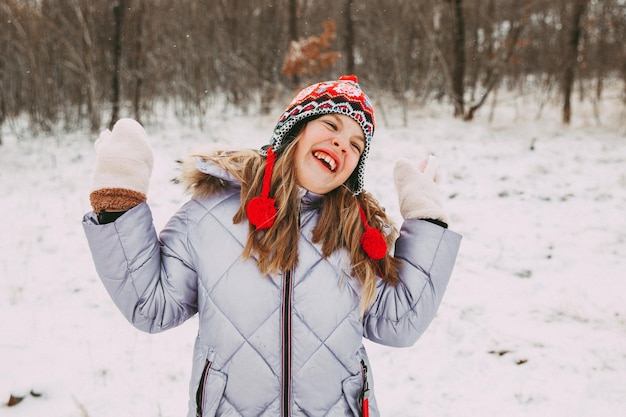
400,314
150,280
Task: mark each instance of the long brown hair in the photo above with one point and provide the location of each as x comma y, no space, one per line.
339,225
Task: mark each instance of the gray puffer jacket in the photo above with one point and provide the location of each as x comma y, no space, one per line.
284,345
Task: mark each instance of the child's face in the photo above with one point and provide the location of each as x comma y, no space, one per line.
327,152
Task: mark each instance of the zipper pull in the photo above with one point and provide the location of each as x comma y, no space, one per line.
366,392
366,404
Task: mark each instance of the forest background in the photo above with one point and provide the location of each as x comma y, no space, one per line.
74,64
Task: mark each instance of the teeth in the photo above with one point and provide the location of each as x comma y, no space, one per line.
326,158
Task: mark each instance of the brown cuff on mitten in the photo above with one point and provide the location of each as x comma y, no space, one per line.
115,199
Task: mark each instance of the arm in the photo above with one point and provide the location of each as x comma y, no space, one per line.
150,281
401,313
427,252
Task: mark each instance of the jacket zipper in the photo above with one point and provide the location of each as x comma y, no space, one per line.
365,394
202,385
286,345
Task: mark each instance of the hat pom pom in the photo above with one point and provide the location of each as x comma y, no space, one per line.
350,77
261,212
374,244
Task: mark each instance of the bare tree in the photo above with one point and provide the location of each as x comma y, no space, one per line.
118,15
349,42
293,30
571,54
190,54
4,52
139,58
458,66
500,57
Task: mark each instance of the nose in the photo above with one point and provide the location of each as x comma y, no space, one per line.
340,143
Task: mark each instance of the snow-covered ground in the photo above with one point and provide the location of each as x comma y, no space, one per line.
533,323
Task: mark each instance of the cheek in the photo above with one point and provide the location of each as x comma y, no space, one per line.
353,163
298,155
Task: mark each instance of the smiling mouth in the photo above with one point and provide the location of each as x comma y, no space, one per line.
326,159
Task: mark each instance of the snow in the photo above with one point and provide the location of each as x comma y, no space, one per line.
533,322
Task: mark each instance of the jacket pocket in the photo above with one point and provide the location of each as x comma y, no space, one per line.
352,388
210,388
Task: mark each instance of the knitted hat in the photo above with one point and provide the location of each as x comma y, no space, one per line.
343,96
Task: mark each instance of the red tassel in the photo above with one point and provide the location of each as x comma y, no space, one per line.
372,241
261,210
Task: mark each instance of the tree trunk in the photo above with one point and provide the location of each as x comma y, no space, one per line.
572,58
139,61
118,14
601,51
2,115
349,37
293,30
458,70
89,63
624,75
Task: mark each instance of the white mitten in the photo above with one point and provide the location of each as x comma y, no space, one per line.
123,167
418,193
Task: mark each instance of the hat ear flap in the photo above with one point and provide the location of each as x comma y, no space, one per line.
261,210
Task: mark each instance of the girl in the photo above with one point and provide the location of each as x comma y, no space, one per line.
282,254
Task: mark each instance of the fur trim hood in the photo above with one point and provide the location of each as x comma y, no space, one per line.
202,177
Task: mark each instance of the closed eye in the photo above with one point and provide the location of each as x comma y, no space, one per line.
331,124
357,147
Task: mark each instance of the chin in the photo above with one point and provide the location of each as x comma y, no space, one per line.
317,190
314,188
319,183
